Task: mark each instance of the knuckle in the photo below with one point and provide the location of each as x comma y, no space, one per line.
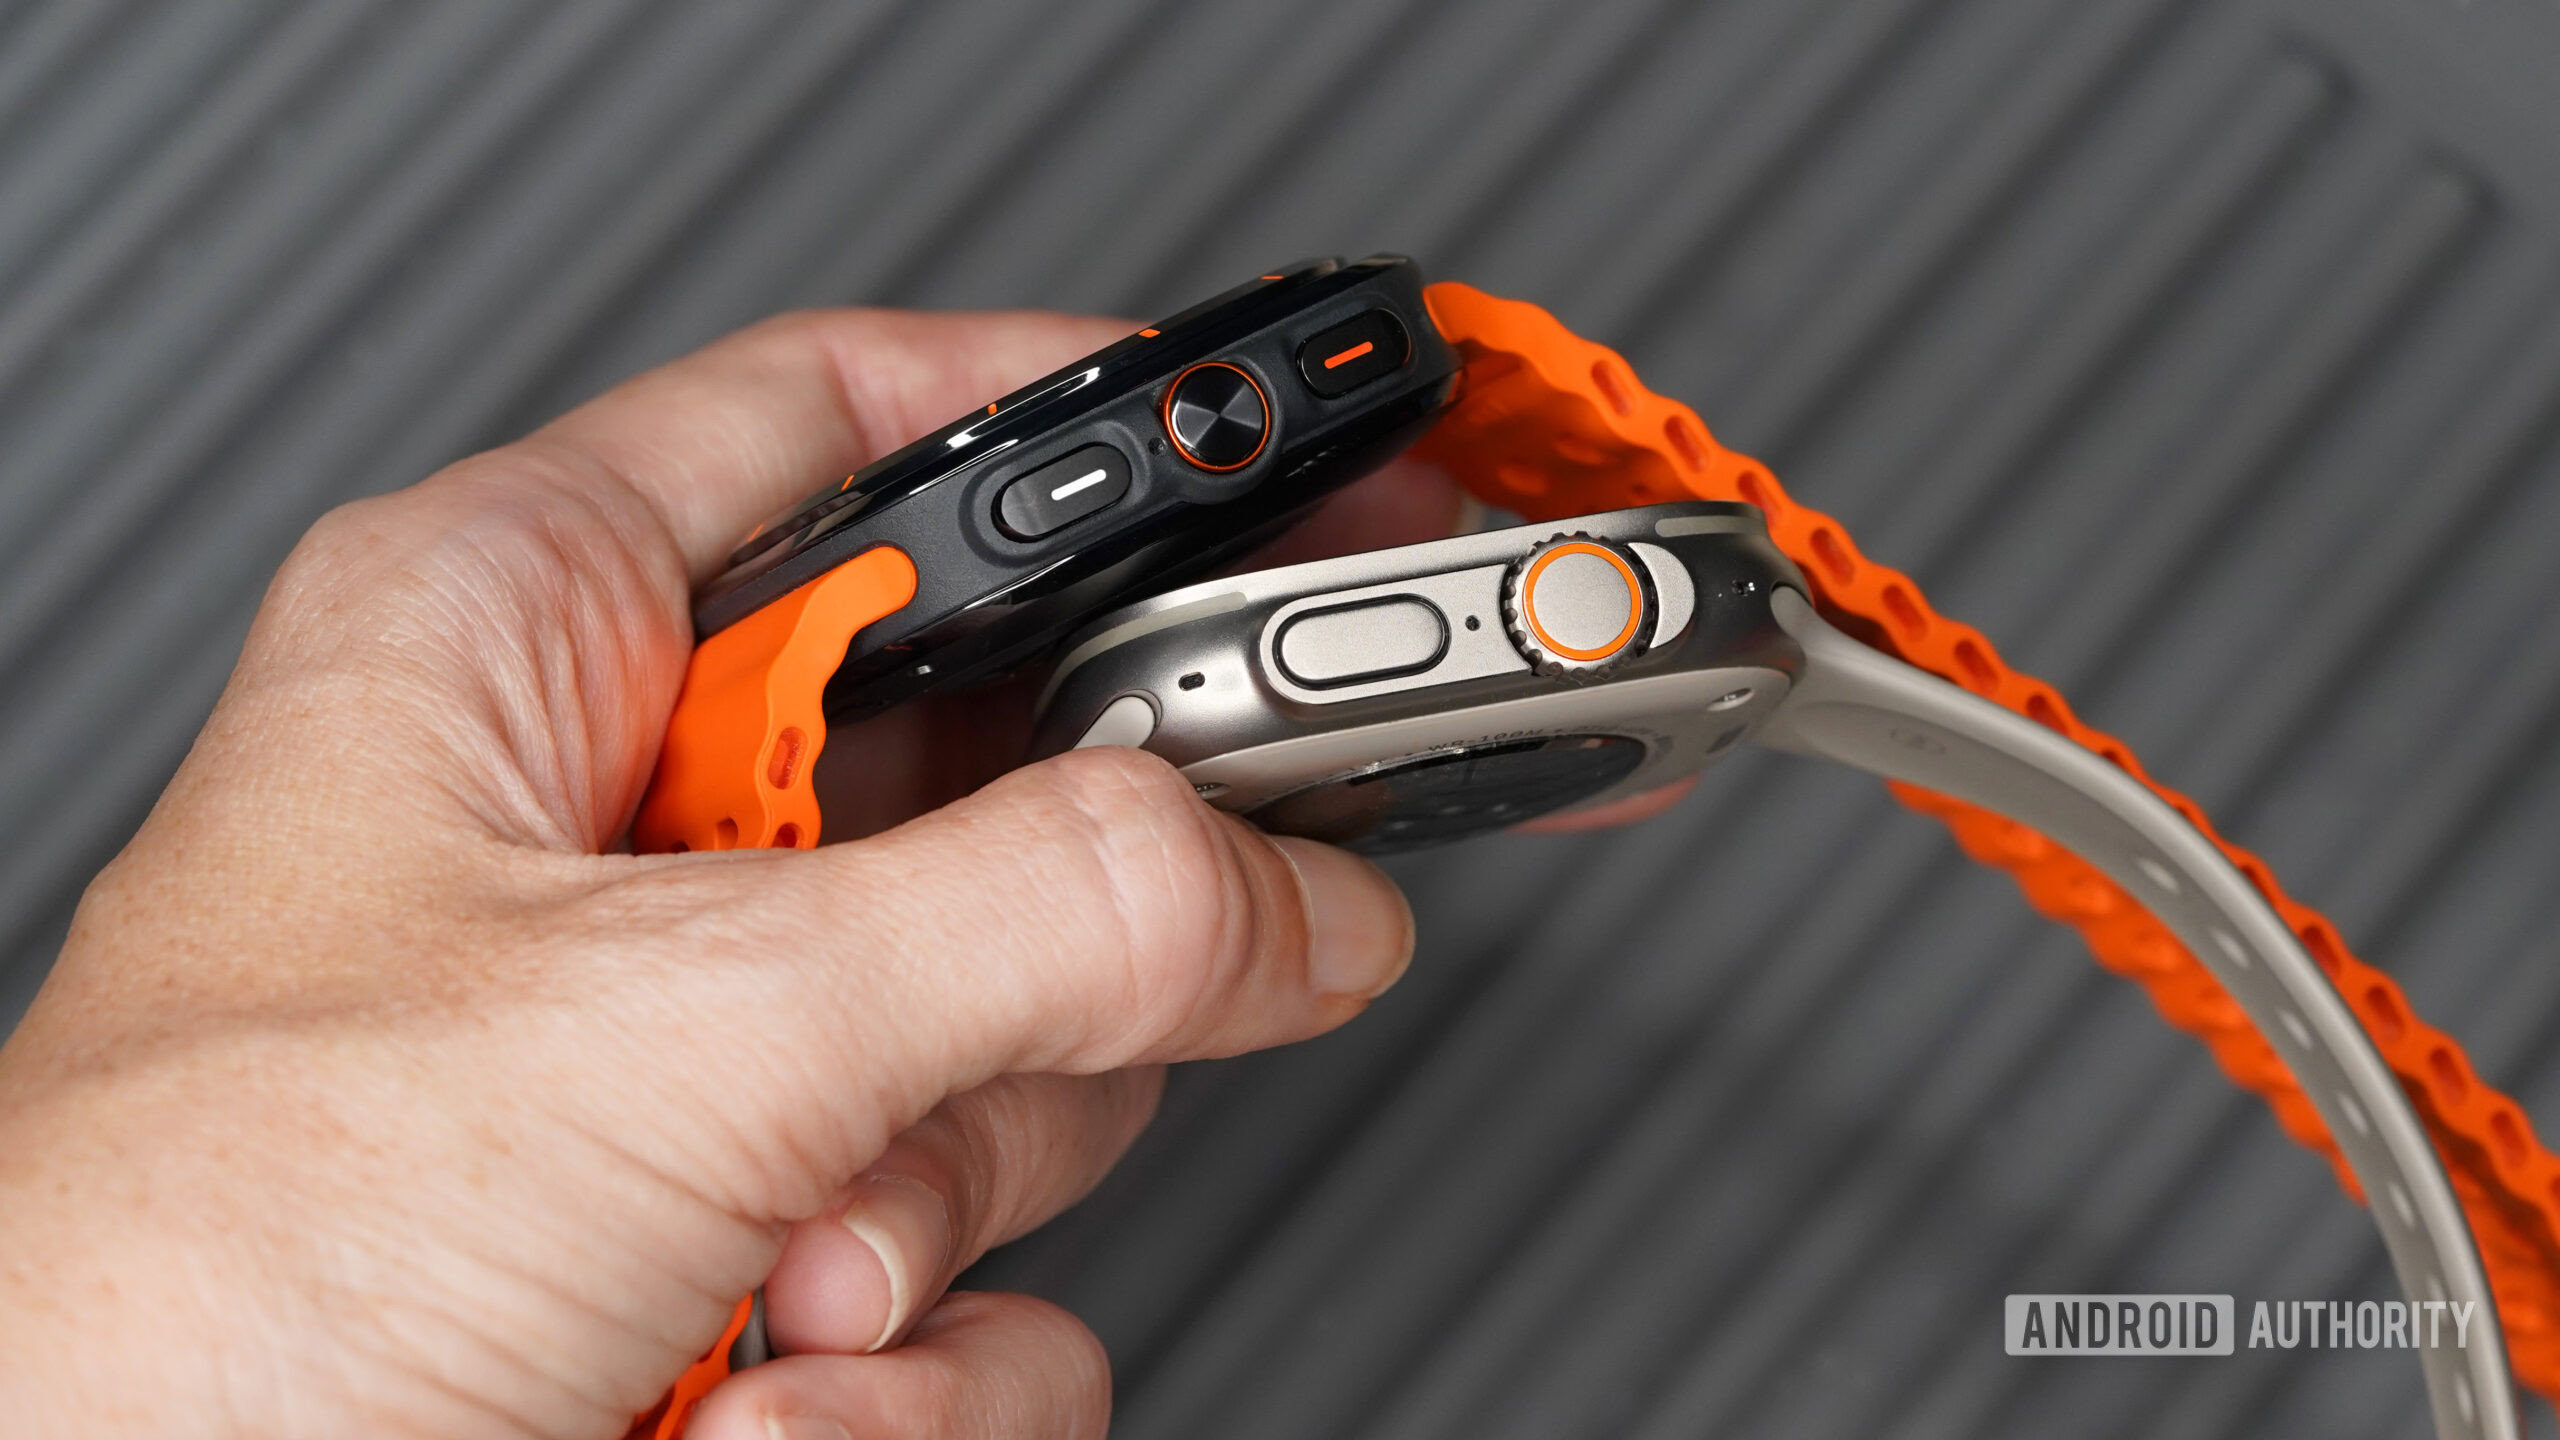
465,562
385,545
1022,1146
341,541
1183,891
1073,1372
339,576
978,1139
793,335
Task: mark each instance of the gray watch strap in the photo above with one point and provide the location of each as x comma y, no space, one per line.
1864,708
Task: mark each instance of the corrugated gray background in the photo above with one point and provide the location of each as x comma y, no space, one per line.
2204,352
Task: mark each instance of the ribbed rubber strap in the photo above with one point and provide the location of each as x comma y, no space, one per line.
735,771
1552,425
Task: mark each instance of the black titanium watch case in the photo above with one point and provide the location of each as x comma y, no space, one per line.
994,588
1449,732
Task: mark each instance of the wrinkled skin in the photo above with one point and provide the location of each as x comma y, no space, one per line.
376,1093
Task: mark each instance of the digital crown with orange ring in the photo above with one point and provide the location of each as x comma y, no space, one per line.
1576,606
1217,416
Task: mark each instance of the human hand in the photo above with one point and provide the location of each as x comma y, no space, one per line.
372,1095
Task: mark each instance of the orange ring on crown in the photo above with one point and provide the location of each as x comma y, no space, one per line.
1164,415
1529,601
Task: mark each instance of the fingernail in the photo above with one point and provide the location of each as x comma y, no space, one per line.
907,1226
803,1427
1359,929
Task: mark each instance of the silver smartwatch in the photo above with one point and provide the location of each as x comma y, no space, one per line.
1414,696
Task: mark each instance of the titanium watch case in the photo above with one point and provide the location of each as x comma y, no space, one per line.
1314,700
994,587
1403,741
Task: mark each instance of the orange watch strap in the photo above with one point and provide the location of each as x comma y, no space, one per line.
666,1419
1551,425
734,772
735,769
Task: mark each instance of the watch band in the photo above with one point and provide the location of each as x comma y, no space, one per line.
734,773
1551,425
1860,707
744,738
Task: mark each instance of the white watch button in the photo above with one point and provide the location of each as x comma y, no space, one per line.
1128,720
1367,640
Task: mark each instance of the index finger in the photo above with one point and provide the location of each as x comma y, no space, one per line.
728,435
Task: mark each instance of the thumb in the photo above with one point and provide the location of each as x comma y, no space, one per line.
1079,915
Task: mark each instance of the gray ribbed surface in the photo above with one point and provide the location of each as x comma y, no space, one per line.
2207,355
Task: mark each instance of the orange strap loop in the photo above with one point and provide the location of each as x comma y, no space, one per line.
747,728
1552,425
735,772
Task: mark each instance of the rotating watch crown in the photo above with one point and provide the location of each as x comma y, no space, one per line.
1577,606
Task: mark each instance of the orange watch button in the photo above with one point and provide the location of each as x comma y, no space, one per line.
1341,358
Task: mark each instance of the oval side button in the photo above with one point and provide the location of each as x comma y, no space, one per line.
1349,355
1366,640
1062,492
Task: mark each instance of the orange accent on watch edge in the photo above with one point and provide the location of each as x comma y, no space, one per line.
1529,600
750,721
1347,356
1552,425
1164,413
